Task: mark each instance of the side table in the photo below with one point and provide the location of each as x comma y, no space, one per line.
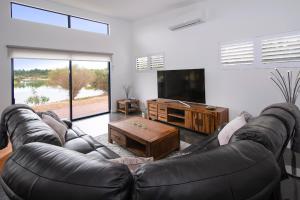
128,105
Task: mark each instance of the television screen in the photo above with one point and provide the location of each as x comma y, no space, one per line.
183,85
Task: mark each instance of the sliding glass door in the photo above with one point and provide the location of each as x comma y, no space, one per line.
90,88
45,85
42,84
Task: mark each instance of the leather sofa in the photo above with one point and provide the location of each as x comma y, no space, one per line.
40,168
248,168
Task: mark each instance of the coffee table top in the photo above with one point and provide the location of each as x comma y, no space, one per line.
144,129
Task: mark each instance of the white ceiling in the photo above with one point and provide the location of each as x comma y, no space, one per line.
128,9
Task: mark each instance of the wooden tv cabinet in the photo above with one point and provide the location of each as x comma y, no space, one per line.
197,117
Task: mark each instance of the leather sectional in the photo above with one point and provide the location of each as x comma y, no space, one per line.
250,167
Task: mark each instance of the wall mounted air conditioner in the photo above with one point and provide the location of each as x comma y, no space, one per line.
186,24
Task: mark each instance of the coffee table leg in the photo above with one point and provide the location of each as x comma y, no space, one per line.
109,136
148,150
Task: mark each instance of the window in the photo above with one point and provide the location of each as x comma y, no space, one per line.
142,63
28,13
88,25
157,61
150,62
90,88
35,84
37,15
238,53
73,84
281,49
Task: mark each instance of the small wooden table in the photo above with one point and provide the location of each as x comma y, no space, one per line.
128,105
144,137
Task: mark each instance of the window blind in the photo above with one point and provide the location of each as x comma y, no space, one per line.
239,53
142,63
39,53
281,49
157,61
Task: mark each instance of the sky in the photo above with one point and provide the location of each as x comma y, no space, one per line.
52,18
29,64
45,17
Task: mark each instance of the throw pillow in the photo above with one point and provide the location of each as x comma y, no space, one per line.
132,162
58,127
226,133
53,115
247,115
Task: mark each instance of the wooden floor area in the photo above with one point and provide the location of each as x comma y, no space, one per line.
4,154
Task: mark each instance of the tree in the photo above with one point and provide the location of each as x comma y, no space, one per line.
36,99
80,79
101,80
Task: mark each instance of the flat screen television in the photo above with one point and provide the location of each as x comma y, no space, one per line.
183,85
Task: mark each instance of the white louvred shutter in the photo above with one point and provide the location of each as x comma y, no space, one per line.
281,49
157,61
142,63
238,53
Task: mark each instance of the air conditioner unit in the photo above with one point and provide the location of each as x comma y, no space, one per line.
186,24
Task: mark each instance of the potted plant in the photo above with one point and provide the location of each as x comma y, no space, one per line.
289,85
126,89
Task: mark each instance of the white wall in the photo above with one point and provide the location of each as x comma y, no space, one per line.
198,47
22,33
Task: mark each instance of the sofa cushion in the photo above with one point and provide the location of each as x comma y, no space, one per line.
41,171
241,170
268,130
77,140
58,127
24,126
53,115
247,115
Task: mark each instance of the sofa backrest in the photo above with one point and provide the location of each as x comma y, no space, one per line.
242,170
273,129
24,126
41,171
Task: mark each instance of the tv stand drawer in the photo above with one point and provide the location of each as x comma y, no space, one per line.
162,117
153,115
162,109
117,137
153,107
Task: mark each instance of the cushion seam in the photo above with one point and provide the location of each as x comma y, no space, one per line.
256,163
61,181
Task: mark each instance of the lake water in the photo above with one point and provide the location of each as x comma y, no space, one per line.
55,94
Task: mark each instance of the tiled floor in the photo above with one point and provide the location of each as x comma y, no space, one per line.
96,126
99,125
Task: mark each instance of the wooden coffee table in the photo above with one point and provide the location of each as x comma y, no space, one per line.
144,137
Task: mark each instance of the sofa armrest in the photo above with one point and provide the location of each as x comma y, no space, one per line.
40,171
243,170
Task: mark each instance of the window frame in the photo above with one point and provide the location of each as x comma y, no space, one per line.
277,36
149,62
106,24
237,43
137,63
258,63
68,16
13,101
